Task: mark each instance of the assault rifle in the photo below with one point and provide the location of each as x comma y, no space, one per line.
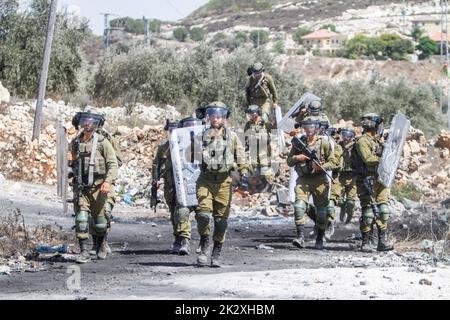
78,186
368,184
154,200
298,144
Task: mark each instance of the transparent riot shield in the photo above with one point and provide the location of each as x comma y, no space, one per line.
280,133
186,167
61,164
393,149
287,123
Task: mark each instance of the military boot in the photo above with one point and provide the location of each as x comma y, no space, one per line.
101,248
216,254
319,239
383,244
202,258
108,248
83,257
350,209
342,212
366,245
176,245
185,248
93,250
329,232
299,242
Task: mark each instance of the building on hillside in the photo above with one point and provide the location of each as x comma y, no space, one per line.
429,24
438,38
324,40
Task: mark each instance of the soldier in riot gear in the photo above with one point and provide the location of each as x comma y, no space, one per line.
162,168
313,109
260,90
95,166
257,144
346,178
374,197
311,159
220,151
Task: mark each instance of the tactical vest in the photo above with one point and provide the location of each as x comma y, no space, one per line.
84,151
260,91
217,152
360,168
305,168
347,156
261,134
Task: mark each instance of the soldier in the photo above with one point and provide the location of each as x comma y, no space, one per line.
336,188
257,144
221,149
374,197
260,90
314,109
346,177
312,179
92,157
162,168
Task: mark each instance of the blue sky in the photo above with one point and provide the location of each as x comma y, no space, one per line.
159,9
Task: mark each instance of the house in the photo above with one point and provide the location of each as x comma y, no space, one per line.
438,38
324,40
429,24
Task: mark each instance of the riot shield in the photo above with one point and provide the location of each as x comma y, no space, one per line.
186,168
61,164
393,149
287,123
280,133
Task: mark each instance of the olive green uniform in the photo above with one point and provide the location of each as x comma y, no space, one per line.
221,149
321,117
93,212
312,183
347,181
257,139
336,188
263,95
369,148
162,168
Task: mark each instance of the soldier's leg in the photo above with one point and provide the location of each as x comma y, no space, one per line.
343,197
82,222
320,190
335,197
266,111
203,214
367,217
300,208
350,201
100,221
221,212
382,197
184,229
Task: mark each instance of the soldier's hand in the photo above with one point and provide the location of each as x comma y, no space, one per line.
294,132
302,157
316,168
106,188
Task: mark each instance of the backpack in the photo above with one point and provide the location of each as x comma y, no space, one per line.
358,165
115,143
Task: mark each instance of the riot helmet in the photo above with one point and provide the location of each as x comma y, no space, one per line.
253,112
347,134
310,125
257,68
371,121
171,125
216,114
314,108
331,131
88,121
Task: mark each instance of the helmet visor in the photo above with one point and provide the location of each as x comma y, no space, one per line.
347,134
191,123
90,122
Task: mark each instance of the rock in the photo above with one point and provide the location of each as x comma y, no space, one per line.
425,282
440,177
426,245
263,247
4,94
4,270
409,204
269,211
122,131
443,140
414,146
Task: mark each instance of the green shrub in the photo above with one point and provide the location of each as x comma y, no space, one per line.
197,34
408,190
299,33
181,34
279,47
300,52
259,37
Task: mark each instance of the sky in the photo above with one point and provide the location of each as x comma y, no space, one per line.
169,10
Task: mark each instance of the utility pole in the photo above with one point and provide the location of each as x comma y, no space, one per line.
147,30
107,29
44,71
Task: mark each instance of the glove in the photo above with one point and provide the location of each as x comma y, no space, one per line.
244,182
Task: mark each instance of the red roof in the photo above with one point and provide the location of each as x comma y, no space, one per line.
320,34
439,36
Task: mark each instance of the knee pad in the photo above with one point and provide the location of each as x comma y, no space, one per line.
202,218
367,216
220,225
331,208
300,207
101,224
321,219
82,221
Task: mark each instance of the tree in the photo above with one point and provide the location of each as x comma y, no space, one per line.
197,34
22,37
427,47
330,26
299,33
180,34
416,33
135,26
259,37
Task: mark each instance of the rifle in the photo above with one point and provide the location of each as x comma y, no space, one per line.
298,144
76,173
154,200
368,184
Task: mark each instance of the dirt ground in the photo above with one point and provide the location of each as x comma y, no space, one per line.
259,262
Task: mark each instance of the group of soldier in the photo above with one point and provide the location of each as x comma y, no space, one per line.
322,157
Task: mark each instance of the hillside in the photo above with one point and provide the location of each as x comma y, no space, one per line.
284,14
